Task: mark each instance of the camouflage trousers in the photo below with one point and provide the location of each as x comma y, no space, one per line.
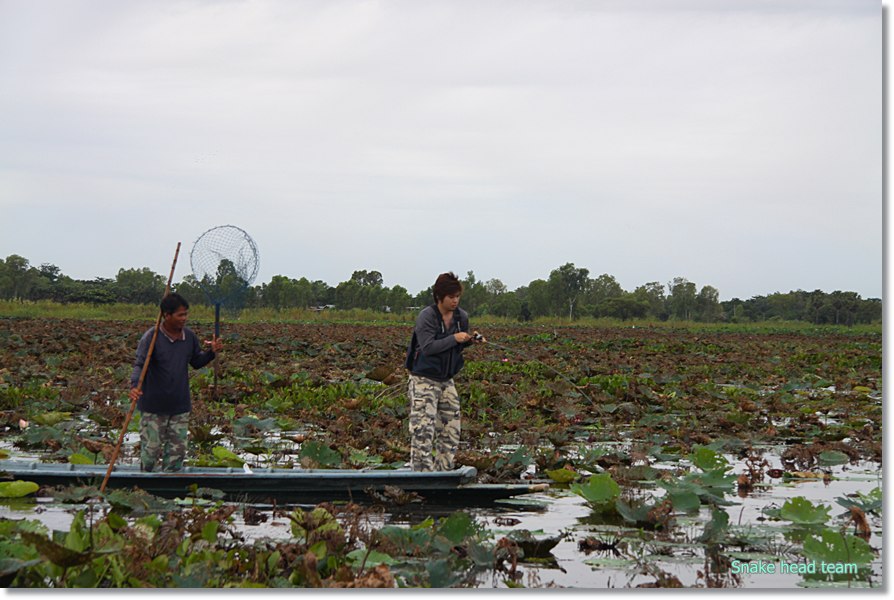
163,440
434,423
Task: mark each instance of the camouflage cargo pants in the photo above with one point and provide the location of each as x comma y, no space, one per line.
163,440
434,423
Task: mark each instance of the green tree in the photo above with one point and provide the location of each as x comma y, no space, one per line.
17,277
50,272
423,298
367,278
682,298
845,305
376,298
304,294
790,307
495,287
190,289
501,301
348,294
98,291
230,287
757,308
45,283
505,305
870,311
734,310
281,292
398,299
626,306
322,293
707,305
536,297
364,290
601,290
567,285
815,301
475,294
139,286
653,295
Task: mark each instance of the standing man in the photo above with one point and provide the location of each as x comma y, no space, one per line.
164,401
435,355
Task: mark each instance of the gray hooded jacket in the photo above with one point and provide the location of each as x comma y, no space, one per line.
434,351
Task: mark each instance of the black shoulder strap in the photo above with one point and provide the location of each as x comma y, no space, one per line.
412,351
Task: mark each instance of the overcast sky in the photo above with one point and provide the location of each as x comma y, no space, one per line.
737,144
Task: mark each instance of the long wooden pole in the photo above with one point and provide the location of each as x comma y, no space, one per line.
133,404
216,335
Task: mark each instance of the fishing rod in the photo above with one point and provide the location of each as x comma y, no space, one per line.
478,337
388,391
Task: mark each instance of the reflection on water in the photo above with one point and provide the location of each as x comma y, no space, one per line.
598,551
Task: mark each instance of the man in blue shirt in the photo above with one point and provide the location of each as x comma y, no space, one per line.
164,400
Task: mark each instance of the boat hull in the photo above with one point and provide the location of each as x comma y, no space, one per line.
281,485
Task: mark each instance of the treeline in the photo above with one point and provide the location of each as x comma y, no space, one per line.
568,292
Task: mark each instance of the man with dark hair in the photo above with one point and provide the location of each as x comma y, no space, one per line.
434,357
164,401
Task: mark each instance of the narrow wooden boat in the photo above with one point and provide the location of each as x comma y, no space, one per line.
283,485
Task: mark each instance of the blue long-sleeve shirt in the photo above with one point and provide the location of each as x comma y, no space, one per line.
166,386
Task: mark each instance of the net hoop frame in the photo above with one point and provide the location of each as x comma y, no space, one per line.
240,250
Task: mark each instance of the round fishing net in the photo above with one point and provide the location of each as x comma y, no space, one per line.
224,262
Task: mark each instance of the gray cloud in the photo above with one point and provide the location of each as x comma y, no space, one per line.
736,144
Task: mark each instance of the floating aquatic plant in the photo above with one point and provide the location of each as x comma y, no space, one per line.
600,491
801,511
834,547
17,489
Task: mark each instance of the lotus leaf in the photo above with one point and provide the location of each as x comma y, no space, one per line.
51,418
407,542
871,502
634,514
562,475
834,547
38,437
716,527
227,457
441,573
600,491
369,558
707,459
457,527
832,457
136,500
684,500
320,454
249,425
17,489
707,486
9,568
79,459
801,511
